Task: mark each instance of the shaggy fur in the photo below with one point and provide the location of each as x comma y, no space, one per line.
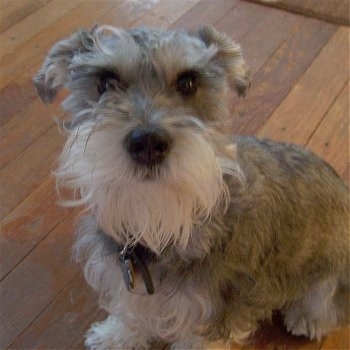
230,228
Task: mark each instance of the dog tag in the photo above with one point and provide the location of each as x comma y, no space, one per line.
129,261
146,276
127,270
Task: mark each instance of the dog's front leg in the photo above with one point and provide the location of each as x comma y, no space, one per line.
113,333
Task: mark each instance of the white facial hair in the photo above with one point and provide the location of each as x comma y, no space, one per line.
132,208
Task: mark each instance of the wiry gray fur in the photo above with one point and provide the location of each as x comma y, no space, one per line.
236,227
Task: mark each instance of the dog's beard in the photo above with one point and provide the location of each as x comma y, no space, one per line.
155,207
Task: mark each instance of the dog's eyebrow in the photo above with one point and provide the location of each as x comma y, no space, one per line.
200,73
77,73
196,72
93,72
190,70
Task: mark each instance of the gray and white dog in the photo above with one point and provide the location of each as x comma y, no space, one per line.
194,236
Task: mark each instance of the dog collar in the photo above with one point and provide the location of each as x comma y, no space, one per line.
130,259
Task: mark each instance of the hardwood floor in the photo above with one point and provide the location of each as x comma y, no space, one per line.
299,93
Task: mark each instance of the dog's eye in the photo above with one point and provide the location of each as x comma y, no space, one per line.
187,83
109,81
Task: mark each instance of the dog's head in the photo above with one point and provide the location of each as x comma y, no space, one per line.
145,144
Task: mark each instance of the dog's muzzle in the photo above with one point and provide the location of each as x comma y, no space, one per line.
148,146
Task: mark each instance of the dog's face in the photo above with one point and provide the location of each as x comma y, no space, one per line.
145,146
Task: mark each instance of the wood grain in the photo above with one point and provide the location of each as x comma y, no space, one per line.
20,132
313,94
203,13
282,70
268,34
338,340
12,12
331,138
28,224
166,13
35,282
335,11
21,91
242,19
29,54
27,171
34,23
71,325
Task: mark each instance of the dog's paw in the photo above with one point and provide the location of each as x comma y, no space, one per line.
315,314
112,334
303,325
100,336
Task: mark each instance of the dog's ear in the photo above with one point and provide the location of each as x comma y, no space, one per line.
229,56
54,72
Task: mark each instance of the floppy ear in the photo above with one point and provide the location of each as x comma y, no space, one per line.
54,72
229,56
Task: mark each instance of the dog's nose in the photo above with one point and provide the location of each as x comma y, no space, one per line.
148,146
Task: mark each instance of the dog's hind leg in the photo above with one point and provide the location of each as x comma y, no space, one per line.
323,308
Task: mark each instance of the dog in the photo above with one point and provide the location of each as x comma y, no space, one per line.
193,236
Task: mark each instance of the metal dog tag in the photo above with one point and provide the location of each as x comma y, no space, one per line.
130,261
127,270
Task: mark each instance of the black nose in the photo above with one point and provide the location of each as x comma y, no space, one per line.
148,146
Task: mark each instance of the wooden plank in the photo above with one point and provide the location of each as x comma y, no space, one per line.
21,91
276,78
12,12
331,138
241,20
250,25
24,128
28,224
34,283
205,12
166,13
34,23
32,51
266,37
9,7
300,113
335,11
68,316
28,170
340,339
128,12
